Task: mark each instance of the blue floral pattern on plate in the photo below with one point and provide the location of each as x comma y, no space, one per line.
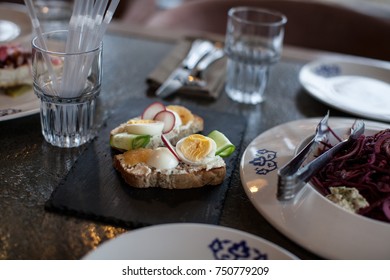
264,161
327,70
10,111
226,249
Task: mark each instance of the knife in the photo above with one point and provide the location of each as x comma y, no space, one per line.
198,50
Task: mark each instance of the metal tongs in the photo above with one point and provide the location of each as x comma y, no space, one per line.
293,176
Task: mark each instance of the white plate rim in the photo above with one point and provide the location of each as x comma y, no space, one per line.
22,106
310,83
191,231
288,217
26,104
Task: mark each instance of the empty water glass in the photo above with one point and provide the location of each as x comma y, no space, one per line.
253,43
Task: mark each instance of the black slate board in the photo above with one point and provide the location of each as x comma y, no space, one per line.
93,189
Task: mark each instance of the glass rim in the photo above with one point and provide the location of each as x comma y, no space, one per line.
282,18
35,45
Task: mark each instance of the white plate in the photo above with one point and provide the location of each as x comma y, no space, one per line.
16,107
360,87
310,220
15,24
15,27
186,241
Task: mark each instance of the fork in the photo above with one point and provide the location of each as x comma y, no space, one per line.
198,50
196,76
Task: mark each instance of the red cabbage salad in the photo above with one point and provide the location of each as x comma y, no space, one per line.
364,166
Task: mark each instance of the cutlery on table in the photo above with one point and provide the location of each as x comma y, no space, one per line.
292,177
183,75
195,78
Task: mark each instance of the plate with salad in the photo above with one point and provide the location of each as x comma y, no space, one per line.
357,86
311,219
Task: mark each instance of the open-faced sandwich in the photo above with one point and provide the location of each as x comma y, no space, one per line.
194,161
174,121
15,69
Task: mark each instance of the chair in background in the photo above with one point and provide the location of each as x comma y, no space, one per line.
311,24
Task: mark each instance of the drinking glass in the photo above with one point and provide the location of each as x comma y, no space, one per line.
253,43
67,83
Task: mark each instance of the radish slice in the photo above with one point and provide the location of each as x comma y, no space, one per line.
169,146
152,110
168,118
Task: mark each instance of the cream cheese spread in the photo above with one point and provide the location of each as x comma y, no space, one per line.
348,198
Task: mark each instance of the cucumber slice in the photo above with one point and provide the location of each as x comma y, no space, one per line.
224,147
126,141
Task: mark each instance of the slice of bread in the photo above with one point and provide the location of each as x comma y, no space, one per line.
184,176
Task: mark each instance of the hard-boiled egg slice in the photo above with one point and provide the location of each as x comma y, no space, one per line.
148,127
162,158
176,128
186,115
178,121
196,149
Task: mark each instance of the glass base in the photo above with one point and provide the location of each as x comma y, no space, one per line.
68,122
246,82
245,98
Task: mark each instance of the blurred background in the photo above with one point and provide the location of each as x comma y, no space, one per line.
141,11
356,27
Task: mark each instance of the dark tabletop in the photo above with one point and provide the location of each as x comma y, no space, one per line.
31,169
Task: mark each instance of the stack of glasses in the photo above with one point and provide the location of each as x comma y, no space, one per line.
67,67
